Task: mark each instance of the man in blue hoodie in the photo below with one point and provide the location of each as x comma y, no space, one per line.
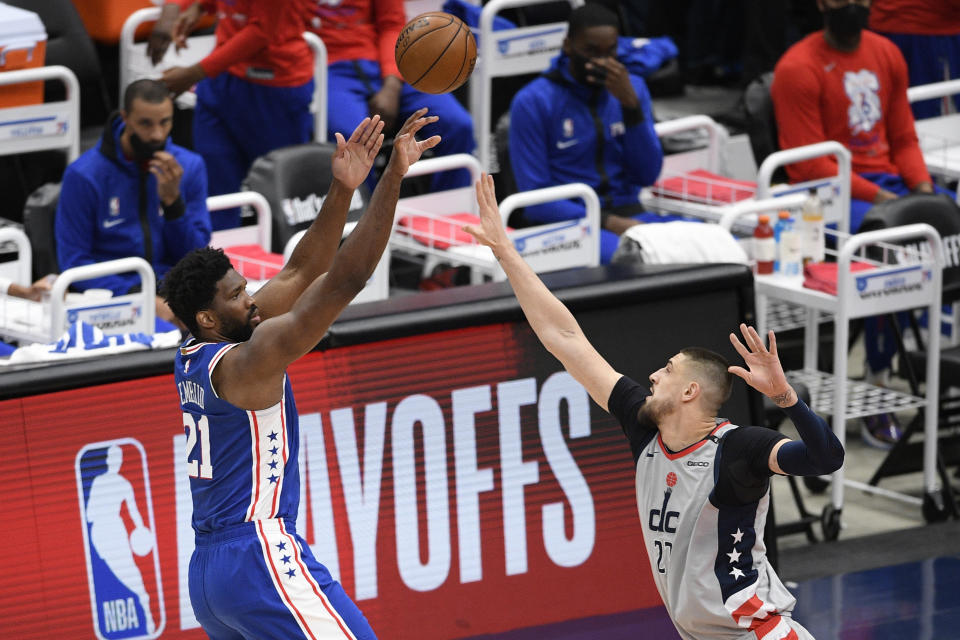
134,194
587,119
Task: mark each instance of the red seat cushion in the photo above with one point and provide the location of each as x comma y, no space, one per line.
705,187
440,232
822,276
253,262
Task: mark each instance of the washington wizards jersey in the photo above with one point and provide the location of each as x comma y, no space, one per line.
706,554
242,464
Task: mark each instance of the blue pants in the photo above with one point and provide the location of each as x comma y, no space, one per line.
878,335
236,122
351,84
890,182
929,58
259,580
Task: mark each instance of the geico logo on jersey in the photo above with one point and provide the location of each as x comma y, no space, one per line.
697,463
123,570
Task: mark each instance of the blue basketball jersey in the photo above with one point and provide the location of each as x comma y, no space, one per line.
242,464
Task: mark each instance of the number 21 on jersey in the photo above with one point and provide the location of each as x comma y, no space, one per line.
198,461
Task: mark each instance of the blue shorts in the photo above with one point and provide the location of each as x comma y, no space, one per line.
260,580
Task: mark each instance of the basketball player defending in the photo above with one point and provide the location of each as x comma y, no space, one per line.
702,483
251,574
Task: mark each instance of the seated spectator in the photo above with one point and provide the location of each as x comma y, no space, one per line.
134,194
253,90
927,32
587,119
360,37
850,85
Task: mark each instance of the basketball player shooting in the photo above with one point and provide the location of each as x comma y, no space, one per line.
251,575
702,484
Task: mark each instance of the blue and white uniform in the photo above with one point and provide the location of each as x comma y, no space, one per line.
251,575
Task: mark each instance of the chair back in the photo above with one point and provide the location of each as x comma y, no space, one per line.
295,181
761,121
937,210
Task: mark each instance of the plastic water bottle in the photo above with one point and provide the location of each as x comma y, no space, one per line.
764,246
812,229
789,251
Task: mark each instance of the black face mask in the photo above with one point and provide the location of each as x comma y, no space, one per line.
847,22
143,150
578,67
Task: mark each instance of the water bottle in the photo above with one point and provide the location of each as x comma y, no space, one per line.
789,251
813,236
764,246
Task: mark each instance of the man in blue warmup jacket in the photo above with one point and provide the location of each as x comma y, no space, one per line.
587,119
134,194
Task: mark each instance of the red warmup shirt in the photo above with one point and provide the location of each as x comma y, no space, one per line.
858,99
917,17
359,30
259,40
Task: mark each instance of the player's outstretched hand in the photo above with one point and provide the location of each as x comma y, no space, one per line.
354,157
490,231
764,372
406,148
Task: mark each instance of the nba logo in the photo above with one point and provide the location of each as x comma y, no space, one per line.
114,206
567,128
119,535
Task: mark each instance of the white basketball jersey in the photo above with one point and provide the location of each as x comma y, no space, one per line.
709,563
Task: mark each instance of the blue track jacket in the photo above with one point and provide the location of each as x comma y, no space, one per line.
562,131
109,209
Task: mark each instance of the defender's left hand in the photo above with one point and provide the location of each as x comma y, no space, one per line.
764,372
354,157
617,81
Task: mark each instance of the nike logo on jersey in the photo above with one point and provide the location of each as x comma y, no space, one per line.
112,223
564,144
650,454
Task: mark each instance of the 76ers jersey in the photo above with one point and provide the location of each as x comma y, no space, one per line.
242,464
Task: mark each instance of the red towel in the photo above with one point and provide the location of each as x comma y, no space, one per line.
822,276
705,187
253,262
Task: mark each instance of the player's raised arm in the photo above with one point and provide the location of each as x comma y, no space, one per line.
261,361
553,323
314,253
819,451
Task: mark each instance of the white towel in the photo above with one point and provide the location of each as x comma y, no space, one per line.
680,242
82,340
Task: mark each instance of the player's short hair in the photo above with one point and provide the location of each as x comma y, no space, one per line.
710,370
590,15
191,284
152,91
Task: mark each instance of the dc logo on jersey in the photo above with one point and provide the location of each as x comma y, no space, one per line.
119,535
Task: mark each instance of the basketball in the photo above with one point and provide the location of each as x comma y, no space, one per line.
141,541
436,52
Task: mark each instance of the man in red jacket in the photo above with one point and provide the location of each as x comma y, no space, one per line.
253,90
360,36
850,85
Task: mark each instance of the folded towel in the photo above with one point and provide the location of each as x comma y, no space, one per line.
679,242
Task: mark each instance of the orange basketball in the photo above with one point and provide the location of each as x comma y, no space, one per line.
436,52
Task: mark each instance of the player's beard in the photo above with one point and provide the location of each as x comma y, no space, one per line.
237,330
653,411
